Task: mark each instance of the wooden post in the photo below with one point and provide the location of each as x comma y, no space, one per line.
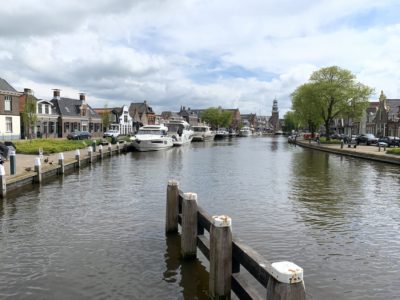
189,225
220,257
78,158
3,185
101,151
118,148
110,149
90,154
61,162
171,224
38,170
286,282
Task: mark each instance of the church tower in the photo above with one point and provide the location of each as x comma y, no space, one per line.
274,121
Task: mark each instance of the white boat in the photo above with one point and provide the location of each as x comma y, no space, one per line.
245,131
180,132
202,133
152,138
221,133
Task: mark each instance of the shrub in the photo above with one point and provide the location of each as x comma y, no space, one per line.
395,151
49,146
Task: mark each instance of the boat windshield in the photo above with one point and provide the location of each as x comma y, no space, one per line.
175,127
199,129
151,132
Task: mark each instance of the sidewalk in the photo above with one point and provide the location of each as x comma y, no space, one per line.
361,151
25,162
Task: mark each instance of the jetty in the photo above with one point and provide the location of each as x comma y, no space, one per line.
226,254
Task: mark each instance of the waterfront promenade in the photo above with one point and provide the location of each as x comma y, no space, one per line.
361,151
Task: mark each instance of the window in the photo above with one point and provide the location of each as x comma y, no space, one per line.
40,108
7,103
46,109
8,124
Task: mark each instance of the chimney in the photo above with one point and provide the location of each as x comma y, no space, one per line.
56,94
82,97
28,91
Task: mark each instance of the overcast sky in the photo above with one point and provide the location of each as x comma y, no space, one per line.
195,53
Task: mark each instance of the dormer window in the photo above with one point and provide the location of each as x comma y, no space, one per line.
40,108
46,109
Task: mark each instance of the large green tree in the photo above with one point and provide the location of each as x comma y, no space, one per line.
216,118
29,116
331,93
291,121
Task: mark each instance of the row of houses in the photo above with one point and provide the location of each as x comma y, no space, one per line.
381,118
59,116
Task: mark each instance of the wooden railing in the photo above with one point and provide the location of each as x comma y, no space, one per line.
227,254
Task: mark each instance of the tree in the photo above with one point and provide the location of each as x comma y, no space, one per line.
216,118
331,93
29,116
105,118
305,110
291,122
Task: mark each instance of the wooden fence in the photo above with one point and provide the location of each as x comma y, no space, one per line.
226,254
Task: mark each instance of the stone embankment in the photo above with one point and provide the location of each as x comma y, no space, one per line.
31,169
361,151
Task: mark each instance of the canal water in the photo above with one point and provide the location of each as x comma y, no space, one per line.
99,233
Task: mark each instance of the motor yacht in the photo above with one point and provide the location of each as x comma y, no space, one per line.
152,138
180,132
245,131
202,133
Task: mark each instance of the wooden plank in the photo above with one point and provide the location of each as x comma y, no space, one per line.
204,219
254,263
204,245
243,290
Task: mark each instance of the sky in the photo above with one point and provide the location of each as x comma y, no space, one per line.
195,53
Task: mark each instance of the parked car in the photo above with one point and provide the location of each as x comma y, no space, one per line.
79,135
391,141
111,133
366,138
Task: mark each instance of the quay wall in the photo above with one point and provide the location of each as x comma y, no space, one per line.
51,171
353,152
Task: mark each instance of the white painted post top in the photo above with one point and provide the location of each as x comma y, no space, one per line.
2,170
77,152
101,147
109,145
12,153
287,272
61,156
37,162
172,182
222,221
90,149
190,196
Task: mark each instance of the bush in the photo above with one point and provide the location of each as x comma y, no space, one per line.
395,151
323,140
49,146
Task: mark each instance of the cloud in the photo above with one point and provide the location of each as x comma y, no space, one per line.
195,53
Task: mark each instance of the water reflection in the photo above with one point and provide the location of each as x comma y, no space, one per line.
192,276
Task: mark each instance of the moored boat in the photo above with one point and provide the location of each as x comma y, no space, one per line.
152,138
202,133
180,132
221,133
245,131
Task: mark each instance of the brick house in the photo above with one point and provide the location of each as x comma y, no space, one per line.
10,120
141,114
75,115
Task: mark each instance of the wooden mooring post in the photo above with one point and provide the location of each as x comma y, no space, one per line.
61,163
3,185
38,170
171,224
78,158
227,255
